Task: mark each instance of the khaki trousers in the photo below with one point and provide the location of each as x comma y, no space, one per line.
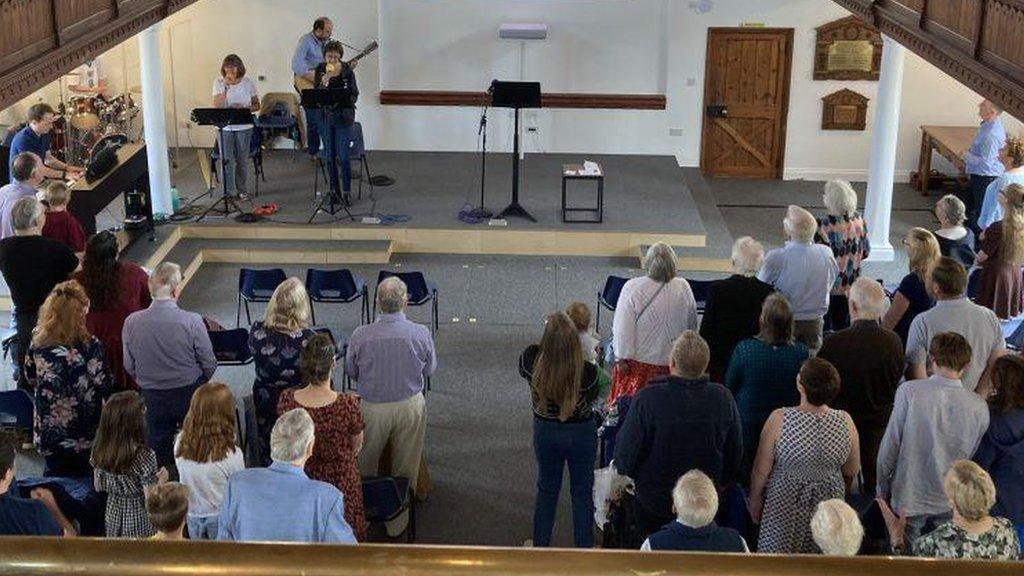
808,332
404,424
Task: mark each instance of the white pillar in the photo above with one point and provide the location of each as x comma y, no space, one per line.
153,120
882,163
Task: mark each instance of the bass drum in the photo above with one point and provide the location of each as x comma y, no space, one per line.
85,112
115,140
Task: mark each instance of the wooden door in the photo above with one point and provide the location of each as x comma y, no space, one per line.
746,99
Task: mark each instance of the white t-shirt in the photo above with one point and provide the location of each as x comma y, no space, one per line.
207,481
240,94
87,75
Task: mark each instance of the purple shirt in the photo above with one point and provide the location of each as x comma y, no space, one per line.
9,196
166,347
390,359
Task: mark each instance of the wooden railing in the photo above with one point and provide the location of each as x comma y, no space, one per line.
978,42
43,39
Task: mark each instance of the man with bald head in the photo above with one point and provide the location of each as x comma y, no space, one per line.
390,361
981,161
26,177
869,359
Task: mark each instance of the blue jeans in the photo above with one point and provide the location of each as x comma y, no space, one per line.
312,132
336,138
556,444
918,526
202,527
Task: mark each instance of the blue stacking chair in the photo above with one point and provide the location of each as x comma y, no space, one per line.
608,297
337,286
256,286
357,153
384,498
231,347
16,411
420,292
700,290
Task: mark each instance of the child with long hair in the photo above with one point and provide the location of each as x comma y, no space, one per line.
125,465
206,454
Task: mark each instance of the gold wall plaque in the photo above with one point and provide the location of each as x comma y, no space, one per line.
847,49
850,55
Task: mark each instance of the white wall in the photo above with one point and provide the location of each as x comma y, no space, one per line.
611,46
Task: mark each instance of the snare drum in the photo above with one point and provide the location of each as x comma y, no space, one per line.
85,112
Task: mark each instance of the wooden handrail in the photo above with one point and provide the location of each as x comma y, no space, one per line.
99,557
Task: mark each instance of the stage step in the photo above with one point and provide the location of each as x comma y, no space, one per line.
693,259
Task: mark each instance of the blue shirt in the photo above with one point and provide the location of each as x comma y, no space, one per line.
804,274
982,158
990,209
24,517
9,196
26,140
308,54
281,504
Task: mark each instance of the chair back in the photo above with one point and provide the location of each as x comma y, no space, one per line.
231,347
16,410
612,289
700,290
259,285
331,284
256,141
384,497
415,283
356,146
973,283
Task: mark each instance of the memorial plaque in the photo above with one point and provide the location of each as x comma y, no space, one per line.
847,49
844,110
850,55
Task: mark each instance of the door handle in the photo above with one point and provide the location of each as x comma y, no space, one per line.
718,111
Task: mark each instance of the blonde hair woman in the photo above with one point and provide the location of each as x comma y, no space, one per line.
1001,254
276,343
911,298
1013,152
844,231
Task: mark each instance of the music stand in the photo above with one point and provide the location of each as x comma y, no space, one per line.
515,95
328,100
220,118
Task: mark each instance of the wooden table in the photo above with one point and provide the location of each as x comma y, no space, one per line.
949,141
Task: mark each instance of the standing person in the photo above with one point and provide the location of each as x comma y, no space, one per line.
88,79
955,239
71,382
339,426
803,272
844,231
60,224
762,370
116,288
868,388
981,160
991,212
733,307
35,138
207,454
168,352
1001,254
579,313
309,53
935,421
808,454
125,466
946,282
912,297
563,386
31,265
234,90
675,424
1001,452
390,361
280,503
336,125
652,311
26,178
276,344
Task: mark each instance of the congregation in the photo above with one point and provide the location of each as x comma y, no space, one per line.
780,413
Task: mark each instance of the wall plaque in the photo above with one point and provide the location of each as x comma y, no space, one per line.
844,110
847,49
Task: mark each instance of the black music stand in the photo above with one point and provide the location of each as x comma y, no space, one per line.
515,95
220,118
328,100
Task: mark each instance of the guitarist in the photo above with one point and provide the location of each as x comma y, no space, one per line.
309,53
335,126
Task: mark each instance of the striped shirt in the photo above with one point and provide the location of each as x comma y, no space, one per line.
390,359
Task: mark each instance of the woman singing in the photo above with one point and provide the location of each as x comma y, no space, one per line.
335,125
234,90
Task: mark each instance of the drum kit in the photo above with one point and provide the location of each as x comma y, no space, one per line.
87,121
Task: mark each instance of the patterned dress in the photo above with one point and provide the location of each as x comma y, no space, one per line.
126,500
848,238
334,459
952,541
70,387
809,456
277,369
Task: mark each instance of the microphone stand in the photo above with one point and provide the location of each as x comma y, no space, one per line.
481,211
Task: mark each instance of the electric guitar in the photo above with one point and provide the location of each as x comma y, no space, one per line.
303,84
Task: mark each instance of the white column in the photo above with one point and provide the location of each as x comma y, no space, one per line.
882,163
153,120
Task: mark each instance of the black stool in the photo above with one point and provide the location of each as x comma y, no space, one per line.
574,172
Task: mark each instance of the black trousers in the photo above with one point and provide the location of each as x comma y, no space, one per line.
165,412
974,197
24,324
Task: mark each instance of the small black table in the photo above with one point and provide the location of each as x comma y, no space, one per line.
573,172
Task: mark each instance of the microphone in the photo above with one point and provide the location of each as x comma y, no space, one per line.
491,89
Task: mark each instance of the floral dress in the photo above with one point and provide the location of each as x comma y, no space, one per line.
334,458
951,541
276,357
70,387
126,497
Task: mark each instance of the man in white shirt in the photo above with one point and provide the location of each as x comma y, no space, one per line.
88,79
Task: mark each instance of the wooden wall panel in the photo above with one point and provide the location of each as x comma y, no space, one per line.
76,17
1002,44
26,31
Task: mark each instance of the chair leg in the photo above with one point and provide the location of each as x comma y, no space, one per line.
238,313
410,530
597,322
248,316
435,314
312,312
